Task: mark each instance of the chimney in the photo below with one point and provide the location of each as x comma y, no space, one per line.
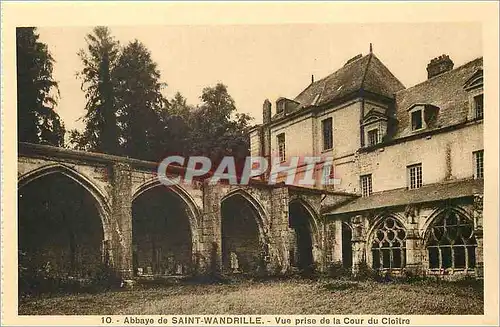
312,79
266,112
439,65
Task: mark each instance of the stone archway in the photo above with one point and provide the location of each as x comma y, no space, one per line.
386,246
244,248
165,238
63,229
305,238
450,241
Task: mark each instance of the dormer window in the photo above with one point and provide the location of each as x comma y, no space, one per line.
373,137
374,124
478,107
417,120
474,86
280,107
423,116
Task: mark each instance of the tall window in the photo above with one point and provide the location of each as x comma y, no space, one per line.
327,173
327,128
373,137
281,147
451,242
478,164
478,106
414,176
416,120
366,185
389,245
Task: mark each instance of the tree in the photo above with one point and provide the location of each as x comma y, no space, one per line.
217,129
99,84
139,102
37,91
177,127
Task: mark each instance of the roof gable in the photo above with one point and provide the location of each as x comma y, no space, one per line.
476,80
359,73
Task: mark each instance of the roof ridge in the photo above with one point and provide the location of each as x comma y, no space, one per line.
332,73
321,93
366,70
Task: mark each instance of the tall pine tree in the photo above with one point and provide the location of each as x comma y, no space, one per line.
37,91
140,102
99,84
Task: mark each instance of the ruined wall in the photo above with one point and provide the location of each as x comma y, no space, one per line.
115,183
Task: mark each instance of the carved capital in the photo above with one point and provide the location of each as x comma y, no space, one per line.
411,213
357,227
478,202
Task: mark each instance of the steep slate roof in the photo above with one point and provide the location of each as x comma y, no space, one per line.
445,91
403,196
367,73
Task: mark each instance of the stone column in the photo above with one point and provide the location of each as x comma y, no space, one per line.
413,251
358,243
121,218
279,232
414,257
211,230
478,233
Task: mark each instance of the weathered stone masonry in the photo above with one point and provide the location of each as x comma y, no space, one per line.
116,182
410,199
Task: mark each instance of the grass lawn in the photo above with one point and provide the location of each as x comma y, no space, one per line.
296,296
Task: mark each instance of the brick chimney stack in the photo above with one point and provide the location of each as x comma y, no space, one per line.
266,112
439,65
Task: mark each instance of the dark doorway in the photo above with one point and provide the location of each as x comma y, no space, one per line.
60,233
241,249
299,219
161,234
346,246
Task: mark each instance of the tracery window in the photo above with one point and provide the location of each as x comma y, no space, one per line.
389,245
451,242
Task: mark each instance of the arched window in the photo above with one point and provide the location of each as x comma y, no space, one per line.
451,242
389,245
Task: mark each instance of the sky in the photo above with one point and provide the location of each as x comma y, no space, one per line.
259,62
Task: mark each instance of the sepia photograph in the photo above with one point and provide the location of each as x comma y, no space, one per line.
215,174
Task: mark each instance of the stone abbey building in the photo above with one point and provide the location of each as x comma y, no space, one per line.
409,160
412,156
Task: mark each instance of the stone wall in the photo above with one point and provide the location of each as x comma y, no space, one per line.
418,220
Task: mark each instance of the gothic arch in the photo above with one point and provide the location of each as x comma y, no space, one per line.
449,240
385,246
99,197
182,194
379,218
436,213
313,222
245,242
261,216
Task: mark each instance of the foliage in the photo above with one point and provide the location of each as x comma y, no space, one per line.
139,102
99,84
178,130
37,91
336,269
128,115
217,130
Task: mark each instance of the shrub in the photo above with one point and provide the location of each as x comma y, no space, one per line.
337,270
365,272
